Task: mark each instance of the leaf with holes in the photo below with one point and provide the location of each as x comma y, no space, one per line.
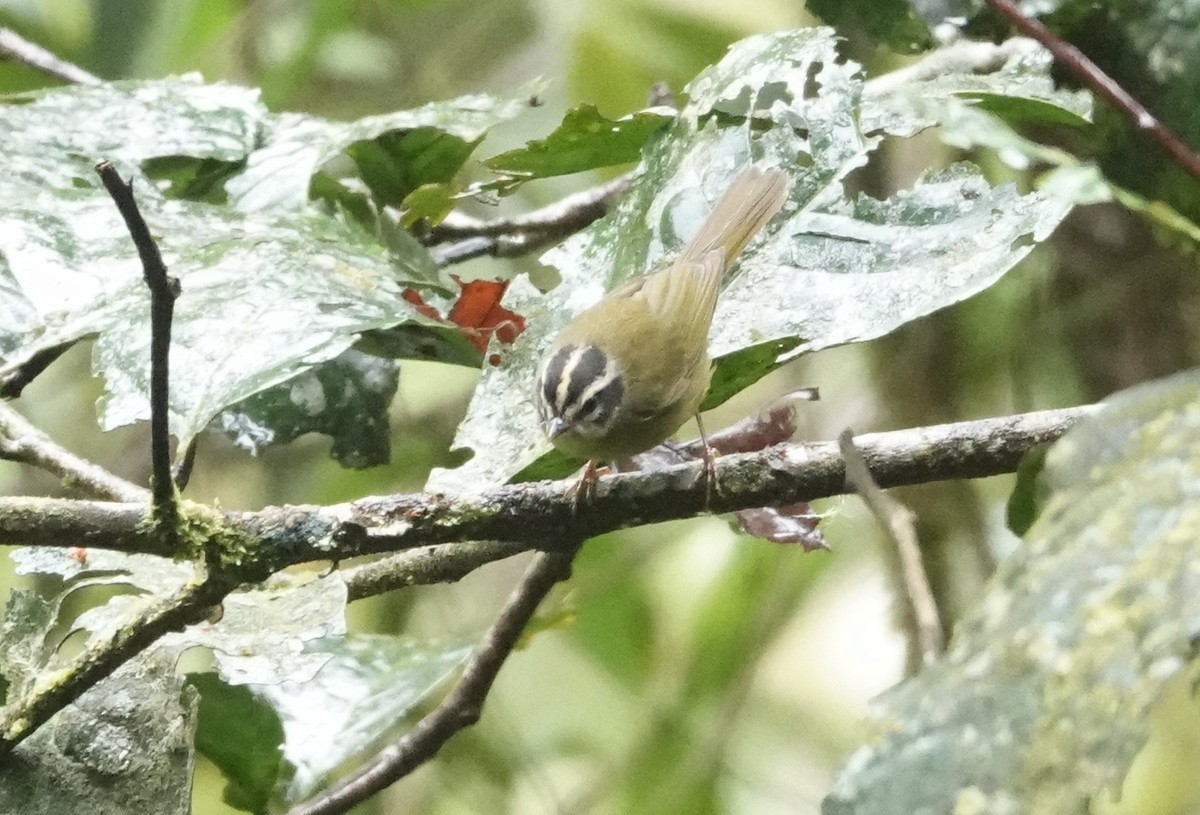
831,268
347,399
265,297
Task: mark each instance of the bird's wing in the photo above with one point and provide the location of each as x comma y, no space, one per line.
684,295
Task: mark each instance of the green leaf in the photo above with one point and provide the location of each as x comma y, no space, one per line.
243,736
1028,495
978,125
266,296
584,141
1043,698
103,567
125,744
891,22
151,578
263,298
346,398
393,153
28,618
367,684
744,367
1019,90
1150,49
128,122
832,269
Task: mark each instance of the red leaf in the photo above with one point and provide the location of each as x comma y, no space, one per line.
477,312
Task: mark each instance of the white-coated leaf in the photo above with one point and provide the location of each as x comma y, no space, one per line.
831,269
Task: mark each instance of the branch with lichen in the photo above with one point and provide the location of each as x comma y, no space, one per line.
540,515
240,547
22,442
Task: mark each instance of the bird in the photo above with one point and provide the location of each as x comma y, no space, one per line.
623,375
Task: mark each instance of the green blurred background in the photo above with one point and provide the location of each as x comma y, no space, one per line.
684,669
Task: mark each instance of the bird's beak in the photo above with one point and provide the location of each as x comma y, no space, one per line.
555,428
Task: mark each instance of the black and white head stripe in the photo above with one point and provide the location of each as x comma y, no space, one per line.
581,385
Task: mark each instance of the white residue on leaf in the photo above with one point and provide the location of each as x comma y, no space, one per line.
307,394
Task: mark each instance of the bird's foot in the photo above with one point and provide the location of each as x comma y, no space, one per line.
583,490
708,472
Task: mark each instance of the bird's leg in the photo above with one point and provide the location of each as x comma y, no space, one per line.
709,471
584,488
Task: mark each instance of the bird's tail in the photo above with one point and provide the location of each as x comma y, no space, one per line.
753,198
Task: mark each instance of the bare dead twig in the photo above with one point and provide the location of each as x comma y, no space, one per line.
466,237
1095,78
897,522
21,441
462,707
15,48
163,291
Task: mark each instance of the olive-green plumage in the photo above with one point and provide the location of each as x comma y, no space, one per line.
623,375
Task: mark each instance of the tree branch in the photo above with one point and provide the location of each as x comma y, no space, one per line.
438,564
518,516
541,515
463,706
447,563
1095,78
163,291
15,48
469,237
22,442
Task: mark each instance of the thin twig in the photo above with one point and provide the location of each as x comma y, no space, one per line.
466,237
897,521
15,48
448,563
163,291
16,374
21,441
1095,78
462,707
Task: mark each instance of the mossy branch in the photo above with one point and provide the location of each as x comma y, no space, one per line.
434,533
